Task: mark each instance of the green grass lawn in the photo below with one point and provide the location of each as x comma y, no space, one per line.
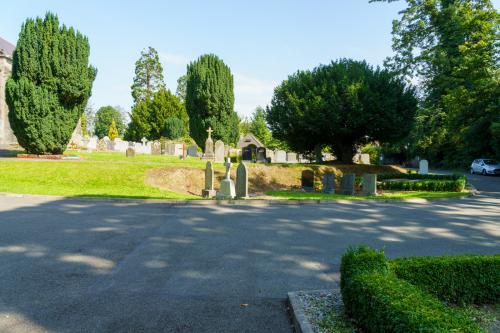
106,174
80,179
289,195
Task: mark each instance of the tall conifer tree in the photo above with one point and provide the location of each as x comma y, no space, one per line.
210,100
50,85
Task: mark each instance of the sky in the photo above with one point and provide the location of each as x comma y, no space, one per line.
262,41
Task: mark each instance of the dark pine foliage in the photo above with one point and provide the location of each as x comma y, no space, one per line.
50,85
210,100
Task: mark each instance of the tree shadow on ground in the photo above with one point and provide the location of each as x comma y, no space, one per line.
80,265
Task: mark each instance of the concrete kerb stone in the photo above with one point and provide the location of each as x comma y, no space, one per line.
299,317
233,202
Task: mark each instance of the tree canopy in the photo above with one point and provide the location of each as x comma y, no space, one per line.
50,85
341,105
210,100
148,117
451,47
104,117
148,76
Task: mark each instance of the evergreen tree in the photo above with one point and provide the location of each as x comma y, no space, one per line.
173,128
105,116
148,117
50,85
258,126
181,88
83,122
210,100
139,126
148,76
113,131
341,105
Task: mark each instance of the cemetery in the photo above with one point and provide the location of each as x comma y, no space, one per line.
205,206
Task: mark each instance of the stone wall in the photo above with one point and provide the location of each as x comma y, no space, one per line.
6,135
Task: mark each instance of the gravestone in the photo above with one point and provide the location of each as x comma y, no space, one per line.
192,150
227,189
242,181
270,156
101,145
291,157
307,180
85,142
369,184
347,184
208,191
156,148
261,154
364,159
423,167
170,149
329,183
219,151
209,146
279,156
130,152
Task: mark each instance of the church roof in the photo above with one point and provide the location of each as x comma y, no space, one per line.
249,139
7,47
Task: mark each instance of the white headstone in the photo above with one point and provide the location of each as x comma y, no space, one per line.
219,151
280,156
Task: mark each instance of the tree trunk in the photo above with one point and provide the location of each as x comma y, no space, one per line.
344,154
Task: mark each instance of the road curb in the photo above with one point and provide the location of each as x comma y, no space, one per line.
236,202
299,317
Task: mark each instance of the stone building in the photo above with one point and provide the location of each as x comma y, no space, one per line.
7,138
6,50
252,149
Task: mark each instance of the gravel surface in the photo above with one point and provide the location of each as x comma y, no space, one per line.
318,304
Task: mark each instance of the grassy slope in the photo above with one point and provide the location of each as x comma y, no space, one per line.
115,175
80,179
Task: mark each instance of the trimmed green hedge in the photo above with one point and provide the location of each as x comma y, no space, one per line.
471,279
380,301
416,176
424,185
416,182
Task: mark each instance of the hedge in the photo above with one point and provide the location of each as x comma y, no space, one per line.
379,301
470,279
384,176
425,185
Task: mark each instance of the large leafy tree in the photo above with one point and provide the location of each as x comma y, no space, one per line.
104,118
258,126
210,100
50,85
341,105
181,88
451,47
148,117
148,76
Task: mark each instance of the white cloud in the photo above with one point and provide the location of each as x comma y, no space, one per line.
173,59
251,92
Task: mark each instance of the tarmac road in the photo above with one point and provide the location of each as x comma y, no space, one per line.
83,265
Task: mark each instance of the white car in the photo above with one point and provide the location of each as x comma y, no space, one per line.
485,166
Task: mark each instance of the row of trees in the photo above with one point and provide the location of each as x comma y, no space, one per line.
204,98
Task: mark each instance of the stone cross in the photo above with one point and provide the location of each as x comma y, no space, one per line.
144,140
228,165
210,130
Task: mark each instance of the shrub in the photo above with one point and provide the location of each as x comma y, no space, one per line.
381,302
50,85
435,183
424,185
173,128
456,279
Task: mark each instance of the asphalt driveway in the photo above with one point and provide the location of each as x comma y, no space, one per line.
79,265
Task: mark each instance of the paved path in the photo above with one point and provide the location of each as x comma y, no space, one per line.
74,265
